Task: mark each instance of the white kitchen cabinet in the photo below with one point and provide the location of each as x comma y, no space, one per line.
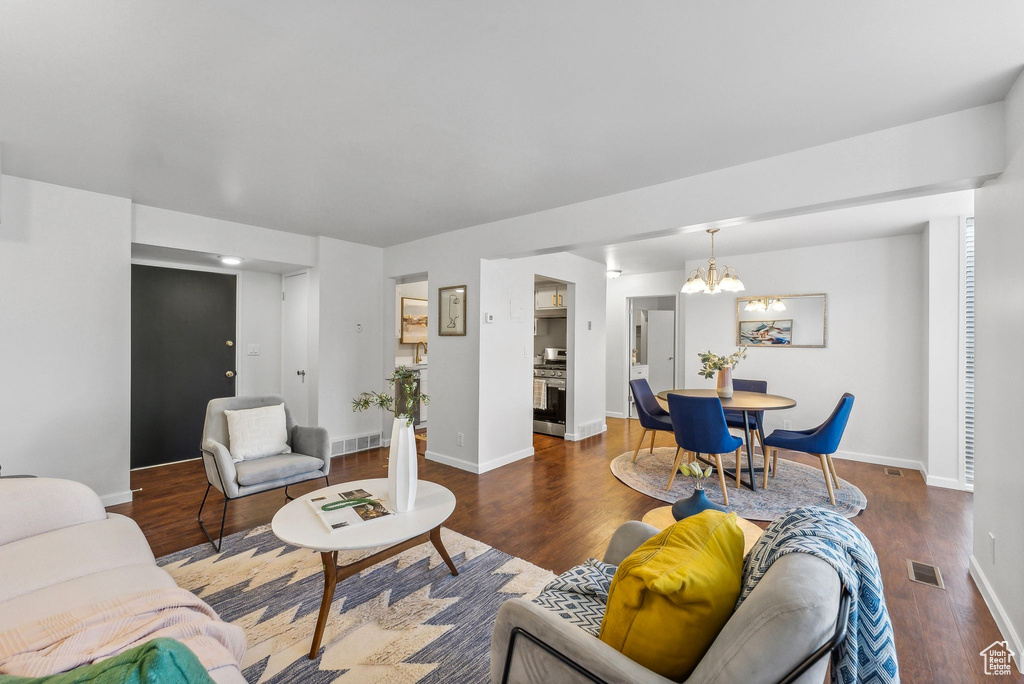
550,296
546,296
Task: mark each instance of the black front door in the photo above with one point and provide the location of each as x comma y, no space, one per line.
183,355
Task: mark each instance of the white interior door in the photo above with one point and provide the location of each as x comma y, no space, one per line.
661,349
294,349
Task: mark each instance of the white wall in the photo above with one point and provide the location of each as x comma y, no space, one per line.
177,230
65,326
347,293
259,322
874,334
999,372
942,350
506,352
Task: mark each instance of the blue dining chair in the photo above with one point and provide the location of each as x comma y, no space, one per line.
652,416
822,441
699,426
734,419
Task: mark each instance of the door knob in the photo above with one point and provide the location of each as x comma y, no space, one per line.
229,374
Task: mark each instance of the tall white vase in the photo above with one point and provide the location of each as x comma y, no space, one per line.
402,466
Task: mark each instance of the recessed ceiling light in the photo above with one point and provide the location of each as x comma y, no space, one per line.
230,261
614,273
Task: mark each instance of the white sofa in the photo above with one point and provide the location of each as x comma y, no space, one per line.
60,550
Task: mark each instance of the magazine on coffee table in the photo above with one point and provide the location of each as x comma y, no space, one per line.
347,508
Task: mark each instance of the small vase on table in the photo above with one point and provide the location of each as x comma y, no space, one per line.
725,382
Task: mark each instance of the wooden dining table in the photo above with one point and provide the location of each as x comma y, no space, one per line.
747,403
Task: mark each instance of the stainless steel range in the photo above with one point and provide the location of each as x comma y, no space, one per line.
549,397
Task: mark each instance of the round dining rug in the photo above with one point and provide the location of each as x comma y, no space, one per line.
795,485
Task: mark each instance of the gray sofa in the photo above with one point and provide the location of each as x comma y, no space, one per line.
61,551
310,458
788,617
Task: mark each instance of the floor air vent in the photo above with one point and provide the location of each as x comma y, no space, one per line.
924,574
895,472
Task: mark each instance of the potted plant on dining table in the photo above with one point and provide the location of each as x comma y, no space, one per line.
712,363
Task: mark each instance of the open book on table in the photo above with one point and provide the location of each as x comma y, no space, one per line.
347,508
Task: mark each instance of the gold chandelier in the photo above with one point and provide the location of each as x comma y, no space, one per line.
765,304
709,282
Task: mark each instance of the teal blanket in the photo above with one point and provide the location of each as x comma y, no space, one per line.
160,661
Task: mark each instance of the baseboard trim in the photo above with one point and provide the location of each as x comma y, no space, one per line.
614,414
944,482
505,460
459,463
996,608
116,498
881,460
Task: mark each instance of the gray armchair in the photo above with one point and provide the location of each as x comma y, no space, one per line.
310,458
794,617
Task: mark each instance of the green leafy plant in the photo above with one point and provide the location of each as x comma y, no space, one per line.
694,470
712,363
402,400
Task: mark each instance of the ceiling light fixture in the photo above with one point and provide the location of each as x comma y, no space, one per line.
613,273
709,282
230,261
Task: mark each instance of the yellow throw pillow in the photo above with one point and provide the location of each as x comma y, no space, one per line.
671,597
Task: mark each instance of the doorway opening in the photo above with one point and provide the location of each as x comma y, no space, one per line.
651,347
551,358
412,331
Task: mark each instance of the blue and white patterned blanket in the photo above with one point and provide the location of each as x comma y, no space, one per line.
868,654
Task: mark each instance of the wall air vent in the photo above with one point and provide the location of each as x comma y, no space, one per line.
923,573
351,445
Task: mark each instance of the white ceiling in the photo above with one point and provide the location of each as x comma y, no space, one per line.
383,121
886,219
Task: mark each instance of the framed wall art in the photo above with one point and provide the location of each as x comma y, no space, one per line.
414,320
451,311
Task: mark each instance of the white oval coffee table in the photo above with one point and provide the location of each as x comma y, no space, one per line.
296,524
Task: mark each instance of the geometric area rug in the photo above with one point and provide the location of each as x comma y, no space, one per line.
795,485
404,620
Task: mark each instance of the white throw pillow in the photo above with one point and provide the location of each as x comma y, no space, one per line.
257,432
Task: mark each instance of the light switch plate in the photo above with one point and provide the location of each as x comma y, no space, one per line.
252,350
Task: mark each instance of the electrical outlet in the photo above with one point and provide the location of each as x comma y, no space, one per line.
787,425
461,439
992,546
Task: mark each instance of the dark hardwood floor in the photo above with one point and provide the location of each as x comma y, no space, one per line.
561,506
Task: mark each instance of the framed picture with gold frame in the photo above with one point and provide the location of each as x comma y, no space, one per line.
451,311
414,320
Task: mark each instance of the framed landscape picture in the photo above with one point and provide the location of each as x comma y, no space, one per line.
414,320
451,311
766,333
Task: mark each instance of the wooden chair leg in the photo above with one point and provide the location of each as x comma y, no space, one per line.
775,461
832,467
639,444
654,433
675,467
767,458
721,478
739,467
828,478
